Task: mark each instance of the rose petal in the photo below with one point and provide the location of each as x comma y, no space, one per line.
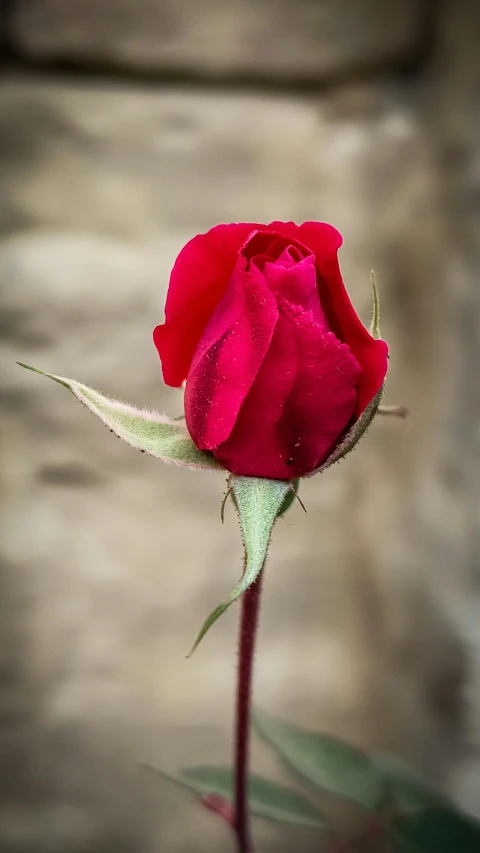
296,282
197,282
202,272
229,356
371,354
301,401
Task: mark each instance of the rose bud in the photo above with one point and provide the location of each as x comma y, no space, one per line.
278,365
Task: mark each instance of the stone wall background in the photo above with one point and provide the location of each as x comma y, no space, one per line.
125,128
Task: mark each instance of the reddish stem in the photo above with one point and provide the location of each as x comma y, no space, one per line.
248,627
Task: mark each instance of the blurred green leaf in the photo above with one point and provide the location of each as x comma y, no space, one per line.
150,432
437,830
405,787
324,761
258,501
266,798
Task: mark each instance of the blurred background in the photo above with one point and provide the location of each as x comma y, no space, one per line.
127,126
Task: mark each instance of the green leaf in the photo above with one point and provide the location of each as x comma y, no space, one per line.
324,761
437,830
266,798
375,327
258,501
150,432
406,789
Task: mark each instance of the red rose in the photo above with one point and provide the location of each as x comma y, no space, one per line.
278,364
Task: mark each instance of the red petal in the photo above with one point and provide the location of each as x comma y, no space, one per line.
289,229
300,403
371,354
229,356
197,282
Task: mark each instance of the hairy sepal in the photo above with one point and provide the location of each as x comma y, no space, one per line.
258,502
353,436
150,432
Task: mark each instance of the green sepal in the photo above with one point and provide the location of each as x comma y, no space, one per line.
258,502
375,325
150,432
353,436
289,497
360,426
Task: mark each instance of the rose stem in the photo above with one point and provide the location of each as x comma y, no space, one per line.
248,626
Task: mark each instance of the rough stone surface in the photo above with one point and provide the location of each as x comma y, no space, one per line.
110,561
274,38
455,77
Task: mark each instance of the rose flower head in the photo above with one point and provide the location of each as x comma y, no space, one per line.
278,365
